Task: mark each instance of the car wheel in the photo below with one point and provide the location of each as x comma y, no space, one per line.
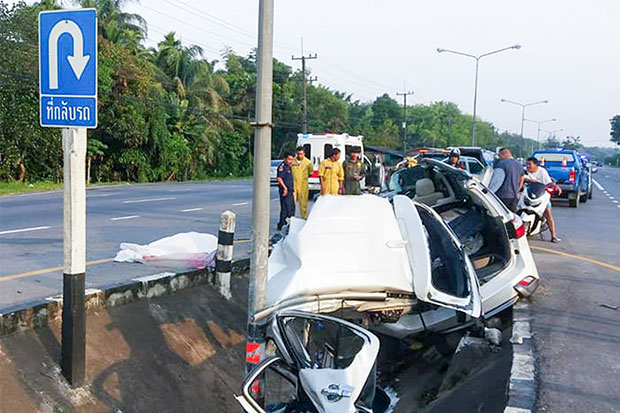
590,194
574,203
583,198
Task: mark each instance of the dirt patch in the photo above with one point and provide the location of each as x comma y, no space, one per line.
181,352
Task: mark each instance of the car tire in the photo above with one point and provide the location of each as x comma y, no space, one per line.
590,194
583,198
574,203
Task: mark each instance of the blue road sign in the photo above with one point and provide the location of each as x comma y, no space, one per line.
68,68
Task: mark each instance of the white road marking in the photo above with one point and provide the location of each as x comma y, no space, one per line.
136,201
126,217
612,198
14,231
241,203
615,201
599,186
98,195
191,210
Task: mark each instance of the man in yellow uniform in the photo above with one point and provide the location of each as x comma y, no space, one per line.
331,174
302,170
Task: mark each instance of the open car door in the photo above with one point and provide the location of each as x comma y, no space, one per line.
326,365
442,272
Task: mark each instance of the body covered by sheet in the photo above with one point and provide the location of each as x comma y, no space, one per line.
191,250
348,244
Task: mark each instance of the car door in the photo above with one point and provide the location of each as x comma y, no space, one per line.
329,367
442,272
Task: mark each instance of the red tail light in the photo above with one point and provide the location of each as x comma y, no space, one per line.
572,176
518,229
315,174
527,281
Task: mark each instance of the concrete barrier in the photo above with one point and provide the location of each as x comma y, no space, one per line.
40,313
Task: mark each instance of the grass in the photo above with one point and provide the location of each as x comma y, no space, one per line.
12,188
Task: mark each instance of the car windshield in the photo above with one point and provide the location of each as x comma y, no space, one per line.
276,162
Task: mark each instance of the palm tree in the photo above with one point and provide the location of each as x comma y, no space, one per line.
117,26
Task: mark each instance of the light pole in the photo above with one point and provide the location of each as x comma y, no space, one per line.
539,123
477,59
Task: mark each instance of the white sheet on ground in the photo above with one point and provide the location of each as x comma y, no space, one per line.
348,243
183,250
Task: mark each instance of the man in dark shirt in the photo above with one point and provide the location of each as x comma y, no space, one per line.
285,184
513,171
353,173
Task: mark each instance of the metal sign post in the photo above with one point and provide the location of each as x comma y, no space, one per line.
68,99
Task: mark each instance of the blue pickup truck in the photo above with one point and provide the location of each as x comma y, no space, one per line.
569,173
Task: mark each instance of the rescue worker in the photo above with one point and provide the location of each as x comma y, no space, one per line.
331,174
453,157
302,170
287,189
353,173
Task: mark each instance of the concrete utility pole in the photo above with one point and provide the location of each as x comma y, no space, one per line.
404,95
257,294
73,352
303,70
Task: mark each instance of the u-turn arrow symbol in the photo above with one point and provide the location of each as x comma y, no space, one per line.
78,61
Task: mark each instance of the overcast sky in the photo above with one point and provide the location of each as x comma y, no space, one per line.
570,51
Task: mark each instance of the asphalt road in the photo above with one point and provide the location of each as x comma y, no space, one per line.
31,230
576,337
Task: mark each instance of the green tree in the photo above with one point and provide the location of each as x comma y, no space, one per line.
615,129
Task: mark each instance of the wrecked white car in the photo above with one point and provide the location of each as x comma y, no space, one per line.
493,237
322,364
374,262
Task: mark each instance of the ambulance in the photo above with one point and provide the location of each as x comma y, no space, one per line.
319,147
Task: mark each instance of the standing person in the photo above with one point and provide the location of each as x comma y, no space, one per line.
287,188
353,173
537,174
508,192
331,174
302,170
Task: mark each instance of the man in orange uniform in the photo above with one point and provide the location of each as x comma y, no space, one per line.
302,170
331,174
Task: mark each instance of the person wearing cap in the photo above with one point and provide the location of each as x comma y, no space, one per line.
286,188
331,174
353,173
302,170
453,157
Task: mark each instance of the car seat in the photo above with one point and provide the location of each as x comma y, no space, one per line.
425,192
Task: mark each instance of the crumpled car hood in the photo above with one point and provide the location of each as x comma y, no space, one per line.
348,244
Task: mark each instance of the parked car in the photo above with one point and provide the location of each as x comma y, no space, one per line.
485,156
568,172
471,165
493,237
274,171
373,261
322,364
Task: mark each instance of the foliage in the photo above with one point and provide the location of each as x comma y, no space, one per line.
167,113
615,129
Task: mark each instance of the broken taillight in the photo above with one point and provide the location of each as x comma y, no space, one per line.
572,176
527,281
516,229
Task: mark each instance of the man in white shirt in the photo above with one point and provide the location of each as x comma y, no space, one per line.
539,174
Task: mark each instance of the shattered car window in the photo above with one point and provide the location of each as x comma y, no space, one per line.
321,343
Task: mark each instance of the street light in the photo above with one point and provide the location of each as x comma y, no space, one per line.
540,123
523,106
477,59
